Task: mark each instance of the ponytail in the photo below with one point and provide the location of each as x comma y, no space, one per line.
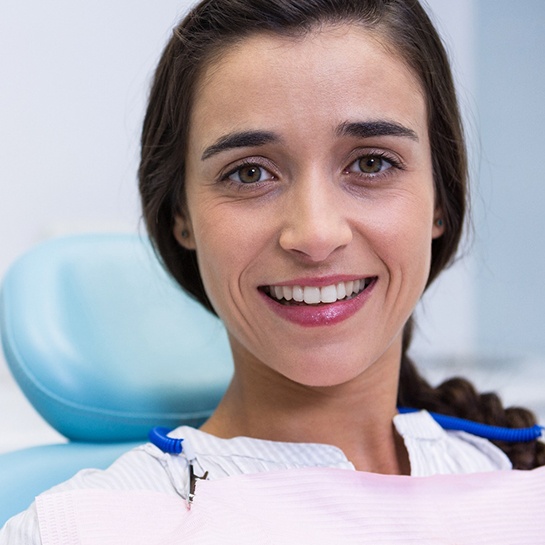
458,397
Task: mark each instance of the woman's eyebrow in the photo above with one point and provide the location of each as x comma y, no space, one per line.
367,129
241,139
360,129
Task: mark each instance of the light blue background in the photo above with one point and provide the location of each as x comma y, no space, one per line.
509,194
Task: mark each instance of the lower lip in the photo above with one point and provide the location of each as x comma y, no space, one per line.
323,314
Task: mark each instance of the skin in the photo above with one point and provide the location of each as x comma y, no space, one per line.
312,214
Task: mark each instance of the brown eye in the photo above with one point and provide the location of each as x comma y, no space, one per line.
371,164
250,174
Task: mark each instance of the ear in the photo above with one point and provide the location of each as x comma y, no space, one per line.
183,232
438,223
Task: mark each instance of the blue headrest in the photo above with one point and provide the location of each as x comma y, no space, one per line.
104,344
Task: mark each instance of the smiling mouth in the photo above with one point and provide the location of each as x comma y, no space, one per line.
313,295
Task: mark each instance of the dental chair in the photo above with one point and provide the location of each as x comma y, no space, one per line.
105,346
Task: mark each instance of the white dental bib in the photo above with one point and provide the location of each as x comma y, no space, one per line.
312,505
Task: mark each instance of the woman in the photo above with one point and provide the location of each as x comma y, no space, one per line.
268,231
303,176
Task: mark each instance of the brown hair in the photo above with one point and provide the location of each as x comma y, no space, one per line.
214,25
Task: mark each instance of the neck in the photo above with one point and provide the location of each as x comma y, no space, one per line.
355,417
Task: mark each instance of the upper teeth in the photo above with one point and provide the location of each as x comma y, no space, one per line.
313,295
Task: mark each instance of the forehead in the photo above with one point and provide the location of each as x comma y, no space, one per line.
328,75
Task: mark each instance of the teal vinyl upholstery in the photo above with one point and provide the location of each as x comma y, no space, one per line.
105,346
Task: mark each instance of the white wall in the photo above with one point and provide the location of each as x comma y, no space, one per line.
74,78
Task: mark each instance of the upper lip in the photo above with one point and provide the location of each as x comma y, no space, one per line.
320,282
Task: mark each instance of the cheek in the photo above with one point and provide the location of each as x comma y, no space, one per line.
403,236
228,243
213,252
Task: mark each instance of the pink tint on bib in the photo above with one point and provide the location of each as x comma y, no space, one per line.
315,506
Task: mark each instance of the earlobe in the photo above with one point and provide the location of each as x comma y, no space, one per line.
438,225
183,233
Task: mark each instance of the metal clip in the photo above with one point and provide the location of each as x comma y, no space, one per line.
193,482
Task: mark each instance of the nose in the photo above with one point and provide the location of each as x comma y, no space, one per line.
315,220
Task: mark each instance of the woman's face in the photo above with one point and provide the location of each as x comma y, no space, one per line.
310,201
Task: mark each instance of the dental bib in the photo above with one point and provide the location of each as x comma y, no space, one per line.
311,505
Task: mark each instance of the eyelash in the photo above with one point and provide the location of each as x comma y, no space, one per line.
225,178
249,186
393,163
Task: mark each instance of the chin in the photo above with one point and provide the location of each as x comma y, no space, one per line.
323,375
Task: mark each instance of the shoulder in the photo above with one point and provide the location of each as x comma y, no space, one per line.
432,450
22,529
142,468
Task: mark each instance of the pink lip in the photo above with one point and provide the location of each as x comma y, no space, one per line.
319,315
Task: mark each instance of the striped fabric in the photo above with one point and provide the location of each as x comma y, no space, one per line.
320,506
431,451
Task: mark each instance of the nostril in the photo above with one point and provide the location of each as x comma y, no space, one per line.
315,245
